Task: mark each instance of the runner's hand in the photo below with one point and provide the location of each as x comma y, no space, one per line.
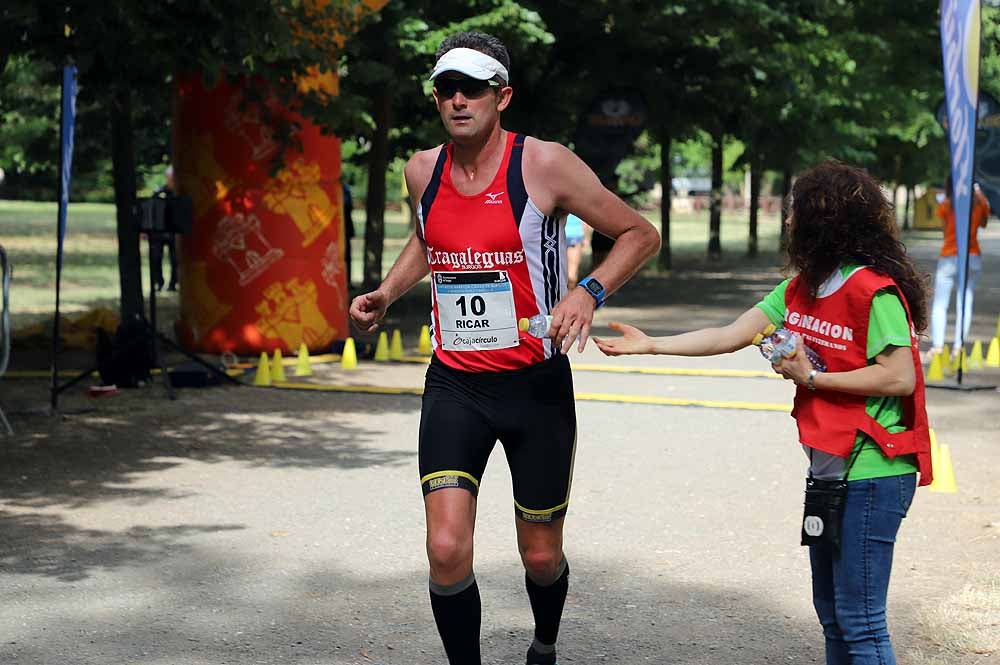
631,342
571,320
368,309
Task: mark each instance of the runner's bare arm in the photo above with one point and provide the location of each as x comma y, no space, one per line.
558,181
704,342
411,266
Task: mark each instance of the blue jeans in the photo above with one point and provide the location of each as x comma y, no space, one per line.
849,589
944,283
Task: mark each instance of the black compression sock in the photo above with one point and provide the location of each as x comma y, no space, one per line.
457,612
547,606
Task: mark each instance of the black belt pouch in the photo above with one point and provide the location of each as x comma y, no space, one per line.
824,512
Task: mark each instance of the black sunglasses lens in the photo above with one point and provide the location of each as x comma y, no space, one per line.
469,87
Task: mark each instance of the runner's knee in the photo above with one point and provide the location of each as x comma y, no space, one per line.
542,562
449,553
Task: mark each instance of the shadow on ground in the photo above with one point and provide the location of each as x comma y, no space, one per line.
96,448
330,615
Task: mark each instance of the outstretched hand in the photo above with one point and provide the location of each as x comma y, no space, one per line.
631,342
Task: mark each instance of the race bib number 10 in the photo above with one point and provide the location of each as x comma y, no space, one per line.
475,310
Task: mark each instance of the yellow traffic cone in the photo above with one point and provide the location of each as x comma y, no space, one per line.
396,346
382,348
424,345
263,376
303,367
278,367
944,475
947,362
993,354
935,372
349,358
976,357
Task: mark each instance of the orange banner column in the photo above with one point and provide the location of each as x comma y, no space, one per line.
263,268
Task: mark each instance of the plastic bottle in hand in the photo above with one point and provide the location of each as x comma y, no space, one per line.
536,326
778,343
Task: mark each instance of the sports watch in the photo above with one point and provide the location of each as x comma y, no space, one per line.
594,288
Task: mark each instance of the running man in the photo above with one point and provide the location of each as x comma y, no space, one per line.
490,211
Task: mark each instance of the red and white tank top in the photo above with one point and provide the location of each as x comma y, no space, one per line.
494,258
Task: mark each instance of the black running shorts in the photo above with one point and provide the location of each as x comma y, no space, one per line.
531,411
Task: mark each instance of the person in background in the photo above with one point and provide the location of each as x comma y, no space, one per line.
348,229
576,240
158,240
947,267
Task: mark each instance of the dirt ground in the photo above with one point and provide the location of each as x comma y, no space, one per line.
257,525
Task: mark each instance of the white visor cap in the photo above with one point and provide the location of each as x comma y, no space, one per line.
472,63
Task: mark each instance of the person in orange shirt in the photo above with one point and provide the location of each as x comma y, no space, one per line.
947,266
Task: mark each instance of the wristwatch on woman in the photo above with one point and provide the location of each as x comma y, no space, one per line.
809,381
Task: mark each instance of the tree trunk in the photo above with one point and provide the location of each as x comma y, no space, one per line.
906,209
786,192
666,183
715,204
378,164
755,174
123,169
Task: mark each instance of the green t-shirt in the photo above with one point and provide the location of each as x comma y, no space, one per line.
887,326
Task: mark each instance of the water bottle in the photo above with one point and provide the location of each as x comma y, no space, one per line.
536,326
778,343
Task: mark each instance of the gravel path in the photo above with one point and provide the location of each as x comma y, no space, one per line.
241,525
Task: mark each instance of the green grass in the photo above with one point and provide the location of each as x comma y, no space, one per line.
90,269
90,263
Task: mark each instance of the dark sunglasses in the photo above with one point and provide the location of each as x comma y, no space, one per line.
469,87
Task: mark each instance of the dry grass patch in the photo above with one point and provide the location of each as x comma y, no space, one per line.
965,627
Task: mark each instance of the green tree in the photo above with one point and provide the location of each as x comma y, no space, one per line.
128,52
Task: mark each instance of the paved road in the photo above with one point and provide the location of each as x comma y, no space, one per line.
265,526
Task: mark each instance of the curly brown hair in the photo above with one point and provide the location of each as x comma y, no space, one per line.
839,214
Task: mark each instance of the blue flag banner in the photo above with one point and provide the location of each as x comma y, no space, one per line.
960,24
68,121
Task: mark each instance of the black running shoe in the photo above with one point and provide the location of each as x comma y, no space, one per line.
535,658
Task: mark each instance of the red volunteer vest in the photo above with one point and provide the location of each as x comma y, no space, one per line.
836,327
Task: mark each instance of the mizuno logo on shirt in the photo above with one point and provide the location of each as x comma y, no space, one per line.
491,199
